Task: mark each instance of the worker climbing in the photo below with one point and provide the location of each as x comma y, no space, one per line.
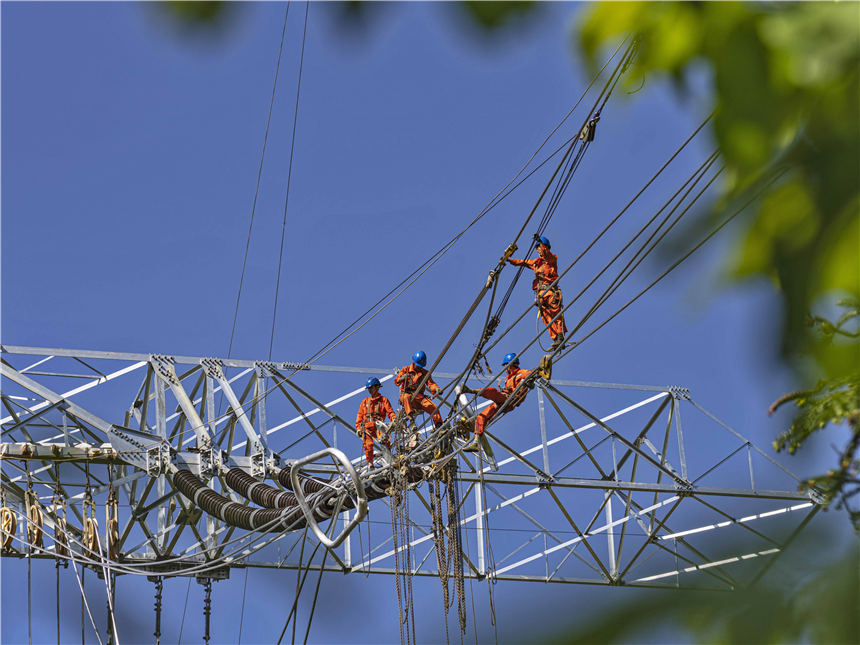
547,291
374,408
510,397
412,398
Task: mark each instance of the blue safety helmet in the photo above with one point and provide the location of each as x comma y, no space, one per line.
371,382
510,358
420,358
543,239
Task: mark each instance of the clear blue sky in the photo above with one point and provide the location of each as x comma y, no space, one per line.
129,160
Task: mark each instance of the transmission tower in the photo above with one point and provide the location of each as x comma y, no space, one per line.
591,483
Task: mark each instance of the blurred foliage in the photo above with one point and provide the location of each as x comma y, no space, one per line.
203,18
785,80
786,87
822,609
832,401
491,15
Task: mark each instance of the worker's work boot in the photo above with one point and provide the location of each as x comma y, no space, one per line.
465,389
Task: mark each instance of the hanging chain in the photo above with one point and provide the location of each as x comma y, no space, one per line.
207,608
439,539
455,542
159,586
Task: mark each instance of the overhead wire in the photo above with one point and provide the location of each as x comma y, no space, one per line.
694,176
455,381
641,253
557,354
589,121
695,248
259,177
494,201
612,222
601,300
417,273
500,265
289,178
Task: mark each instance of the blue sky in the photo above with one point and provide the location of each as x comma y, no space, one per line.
129,159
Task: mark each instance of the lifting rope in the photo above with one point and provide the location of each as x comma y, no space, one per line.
586,132
496,199
584,139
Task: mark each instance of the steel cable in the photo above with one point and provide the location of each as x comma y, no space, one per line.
494,201
289,178
259,177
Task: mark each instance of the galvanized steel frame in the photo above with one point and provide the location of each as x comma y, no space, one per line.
194,418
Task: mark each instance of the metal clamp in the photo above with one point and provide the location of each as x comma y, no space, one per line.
361,506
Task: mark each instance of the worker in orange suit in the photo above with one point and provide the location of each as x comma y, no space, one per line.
372,409
548,298
513,377
411,398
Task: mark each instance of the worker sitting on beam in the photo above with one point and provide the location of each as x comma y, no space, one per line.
374,408
509,396
412,398
547,294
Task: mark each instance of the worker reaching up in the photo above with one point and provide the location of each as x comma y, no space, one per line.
548,297
513,377
411,398
372,409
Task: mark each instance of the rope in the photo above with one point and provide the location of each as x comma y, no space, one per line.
455,382
586,135
434,258
512,396
184,609
84,602
299,587
501,264
29,601
242,612
316,595
494,201
57,567
29,557
259,176
289,178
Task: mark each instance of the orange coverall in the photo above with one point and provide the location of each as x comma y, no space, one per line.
371,410
546,272
408,379
514,377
